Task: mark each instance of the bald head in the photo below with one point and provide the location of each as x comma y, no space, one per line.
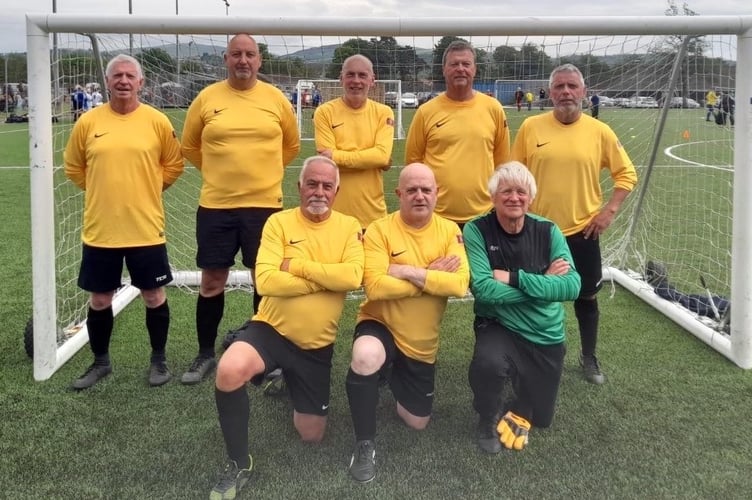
416,190
357,79
243,61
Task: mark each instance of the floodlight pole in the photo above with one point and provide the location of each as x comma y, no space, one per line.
227,13
177,49
55,70
130,35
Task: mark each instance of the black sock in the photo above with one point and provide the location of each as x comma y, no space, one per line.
209,312
158,325
234,410
587,317
256,300
363,395
99,324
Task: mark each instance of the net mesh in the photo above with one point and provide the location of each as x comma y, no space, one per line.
681,217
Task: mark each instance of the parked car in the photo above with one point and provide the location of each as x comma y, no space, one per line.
606,102
424,97
641,102
621,102
681,102
390,99
409,100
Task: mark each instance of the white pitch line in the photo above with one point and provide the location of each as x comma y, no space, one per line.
669,152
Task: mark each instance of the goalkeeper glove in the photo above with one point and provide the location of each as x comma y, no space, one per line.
513,431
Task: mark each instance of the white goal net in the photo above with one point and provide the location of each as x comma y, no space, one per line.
686,212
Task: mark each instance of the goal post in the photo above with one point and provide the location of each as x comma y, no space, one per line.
310,93
695,209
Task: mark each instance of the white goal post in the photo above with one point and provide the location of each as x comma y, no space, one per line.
627,247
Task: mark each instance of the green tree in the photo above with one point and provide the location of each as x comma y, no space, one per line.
16,66
437,73
507,60
155,61
391,61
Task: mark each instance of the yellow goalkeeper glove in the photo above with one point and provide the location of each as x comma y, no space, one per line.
513,431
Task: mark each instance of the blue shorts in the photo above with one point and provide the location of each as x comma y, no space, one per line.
586,254
411,381
102,268
221,232
307,372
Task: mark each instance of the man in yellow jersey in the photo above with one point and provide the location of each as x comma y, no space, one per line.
711,99
357,133
565,150
415,260
462,135
240,132
124,154
309,257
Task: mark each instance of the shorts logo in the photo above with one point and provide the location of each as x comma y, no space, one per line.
295,242
337,125
395,254
160,278
324,407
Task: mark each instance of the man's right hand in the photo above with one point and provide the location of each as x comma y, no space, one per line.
558,267
449,264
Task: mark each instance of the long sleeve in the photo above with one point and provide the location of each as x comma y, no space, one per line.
340,276
270,280
415,145
358,138
74,156
192,129
551,287
172,159
482,283
378,284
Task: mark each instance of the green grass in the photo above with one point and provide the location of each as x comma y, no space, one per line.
671,422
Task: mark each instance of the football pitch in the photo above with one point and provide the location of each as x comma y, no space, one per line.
672,421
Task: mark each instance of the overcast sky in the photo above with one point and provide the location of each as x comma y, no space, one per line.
13,27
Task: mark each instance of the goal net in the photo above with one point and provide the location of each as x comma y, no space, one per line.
680,215
310,94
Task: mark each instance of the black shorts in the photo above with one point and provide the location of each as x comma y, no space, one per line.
221,232
307,372
586,254
411,381
102,268
534,369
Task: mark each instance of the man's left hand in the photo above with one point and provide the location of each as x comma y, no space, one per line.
599,223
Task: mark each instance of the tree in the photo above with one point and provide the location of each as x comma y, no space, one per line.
16,64
391,61
156,61
437,65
